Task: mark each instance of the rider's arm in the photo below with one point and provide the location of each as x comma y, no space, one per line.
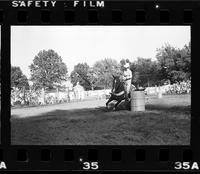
130,74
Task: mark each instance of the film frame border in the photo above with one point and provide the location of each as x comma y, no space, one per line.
109,157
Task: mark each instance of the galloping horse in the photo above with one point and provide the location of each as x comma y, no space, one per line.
117,92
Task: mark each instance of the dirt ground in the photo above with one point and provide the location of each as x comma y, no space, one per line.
166,121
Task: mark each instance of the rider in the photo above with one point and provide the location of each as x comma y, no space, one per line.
127,78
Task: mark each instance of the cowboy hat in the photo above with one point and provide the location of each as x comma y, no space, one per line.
126,65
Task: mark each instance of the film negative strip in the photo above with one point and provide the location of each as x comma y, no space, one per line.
100,85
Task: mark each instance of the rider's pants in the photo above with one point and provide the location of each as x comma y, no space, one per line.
127,86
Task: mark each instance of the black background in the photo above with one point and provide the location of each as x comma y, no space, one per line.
151,158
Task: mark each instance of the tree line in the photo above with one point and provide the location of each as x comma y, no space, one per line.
171,65
48,70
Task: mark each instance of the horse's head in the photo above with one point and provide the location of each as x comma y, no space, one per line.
117,84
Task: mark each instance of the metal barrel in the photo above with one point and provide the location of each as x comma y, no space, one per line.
137,101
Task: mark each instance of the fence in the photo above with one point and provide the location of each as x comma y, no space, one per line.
35,97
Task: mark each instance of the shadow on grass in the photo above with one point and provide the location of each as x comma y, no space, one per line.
101,126
66,113
100,112
164,108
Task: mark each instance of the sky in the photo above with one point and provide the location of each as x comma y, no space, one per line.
79,44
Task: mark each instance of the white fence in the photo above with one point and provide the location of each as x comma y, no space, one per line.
176,88
58,97
35,97
98,94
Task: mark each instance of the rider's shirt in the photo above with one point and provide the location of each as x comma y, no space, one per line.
127,75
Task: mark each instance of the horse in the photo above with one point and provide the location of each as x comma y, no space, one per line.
117,92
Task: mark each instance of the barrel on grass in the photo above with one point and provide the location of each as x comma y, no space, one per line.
137,101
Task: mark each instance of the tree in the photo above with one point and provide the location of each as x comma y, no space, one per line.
104,70
80,74
19,81
93,78
185,55
174,64
47,70
145,72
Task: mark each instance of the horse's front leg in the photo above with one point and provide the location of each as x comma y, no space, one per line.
109,100
118,102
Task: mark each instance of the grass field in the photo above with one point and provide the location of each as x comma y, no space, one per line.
166,121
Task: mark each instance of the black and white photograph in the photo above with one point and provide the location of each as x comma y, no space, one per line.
100,85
